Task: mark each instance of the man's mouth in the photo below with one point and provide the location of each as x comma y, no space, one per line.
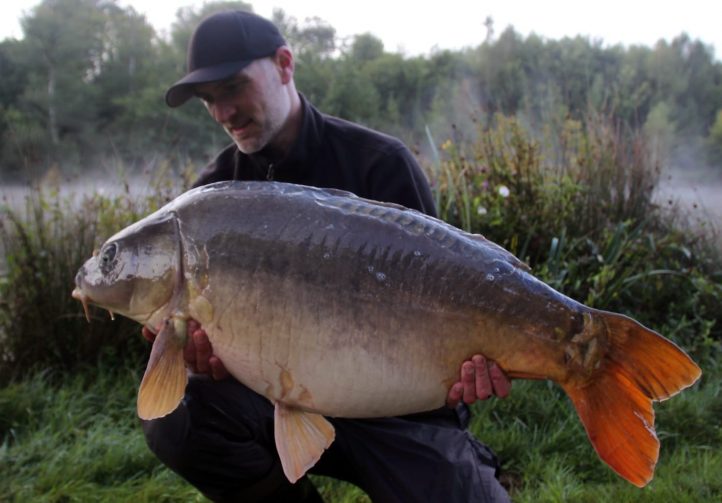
240,129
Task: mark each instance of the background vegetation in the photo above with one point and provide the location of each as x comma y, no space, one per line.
67,416
83,89
551,148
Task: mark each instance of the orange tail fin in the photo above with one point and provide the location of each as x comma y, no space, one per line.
640,366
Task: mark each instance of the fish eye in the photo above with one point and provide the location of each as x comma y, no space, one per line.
107,255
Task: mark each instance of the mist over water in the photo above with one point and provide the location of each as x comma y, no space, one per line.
14,196
697,194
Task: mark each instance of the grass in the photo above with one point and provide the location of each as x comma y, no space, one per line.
76,438
546,455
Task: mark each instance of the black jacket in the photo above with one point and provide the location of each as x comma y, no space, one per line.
333,153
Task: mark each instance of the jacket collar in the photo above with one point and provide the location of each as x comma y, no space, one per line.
302,150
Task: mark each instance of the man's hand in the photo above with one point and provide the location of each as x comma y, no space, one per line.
198,352
480,379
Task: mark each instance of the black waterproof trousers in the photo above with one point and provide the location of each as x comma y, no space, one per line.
220,439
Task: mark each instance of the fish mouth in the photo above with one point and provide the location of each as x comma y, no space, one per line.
84,299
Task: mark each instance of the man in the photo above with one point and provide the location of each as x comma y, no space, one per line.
221,437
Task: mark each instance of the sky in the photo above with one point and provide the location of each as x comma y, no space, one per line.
406,27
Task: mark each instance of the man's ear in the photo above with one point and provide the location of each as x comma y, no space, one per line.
285,64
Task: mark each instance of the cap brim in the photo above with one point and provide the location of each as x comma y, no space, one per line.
182,91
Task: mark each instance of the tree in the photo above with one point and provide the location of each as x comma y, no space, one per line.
660,130
714,141
14,73
313,44
89,73
18,135
365,48
315,39
399,83
500,73
352,95
64,40
126,61
187,18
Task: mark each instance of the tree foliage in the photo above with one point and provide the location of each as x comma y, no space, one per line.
84,87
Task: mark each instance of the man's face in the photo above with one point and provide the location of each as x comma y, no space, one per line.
252,106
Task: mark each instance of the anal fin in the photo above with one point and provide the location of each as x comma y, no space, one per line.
301,438
165,377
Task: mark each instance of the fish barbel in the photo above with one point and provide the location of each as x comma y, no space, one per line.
333,305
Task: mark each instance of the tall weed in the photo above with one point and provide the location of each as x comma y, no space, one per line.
579,207
45,242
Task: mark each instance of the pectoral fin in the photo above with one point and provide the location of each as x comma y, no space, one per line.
301,438
165,377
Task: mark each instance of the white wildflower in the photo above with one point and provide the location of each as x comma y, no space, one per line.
503,191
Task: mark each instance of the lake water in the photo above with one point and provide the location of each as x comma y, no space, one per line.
15,195
698,194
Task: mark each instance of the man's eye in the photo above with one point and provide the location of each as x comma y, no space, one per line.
205,98
233,87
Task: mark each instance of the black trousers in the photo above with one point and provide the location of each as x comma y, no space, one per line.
220,439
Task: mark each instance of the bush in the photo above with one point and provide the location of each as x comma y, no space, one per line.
579,208
45,243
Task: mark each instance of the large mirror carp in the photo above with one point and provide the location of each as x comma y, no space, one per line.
332,305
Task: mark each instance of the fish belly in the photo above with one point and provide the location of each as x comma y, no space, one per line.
328,358
354,309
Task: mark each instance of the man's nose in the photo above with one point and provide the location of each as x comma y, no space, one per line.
221,112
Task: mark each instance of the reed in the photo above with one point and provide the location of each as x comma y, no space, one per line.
578,206
45,241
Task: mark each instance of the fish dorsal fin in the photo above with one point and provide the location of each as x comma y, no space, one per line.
165,377
301,438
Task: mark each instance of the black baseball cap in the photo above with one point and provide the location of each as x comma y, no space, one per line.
221,46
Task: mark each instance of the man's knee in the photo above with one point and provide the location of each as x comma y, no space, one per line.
166,437
220,439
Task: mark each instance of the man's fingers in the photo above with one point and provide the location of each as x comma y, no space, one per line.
480,379
467,380
192,326
218,370
147,334
499,380
189,352
203,351
483,383
198,353
455,394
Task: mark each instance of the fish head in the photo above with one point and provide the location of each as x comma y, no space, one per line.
135,272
